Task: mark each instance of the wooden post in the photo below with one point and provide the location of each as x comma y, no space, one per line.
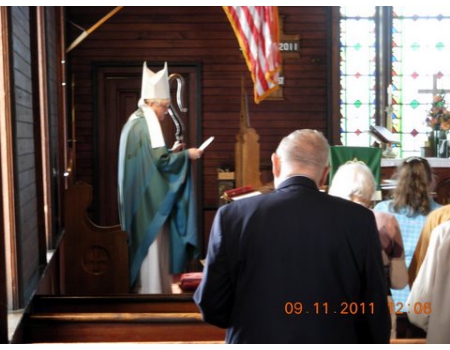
247,170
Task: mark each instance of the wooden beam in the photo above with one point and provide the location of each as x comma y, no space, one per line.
85,34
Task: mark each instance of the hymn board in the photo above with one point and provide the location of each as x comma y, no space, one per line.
289,48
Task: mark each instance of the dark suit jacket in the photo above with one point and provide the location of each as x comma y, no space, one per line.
295,266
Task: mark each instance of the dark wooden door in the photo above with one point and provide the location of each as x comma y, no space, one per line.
119,89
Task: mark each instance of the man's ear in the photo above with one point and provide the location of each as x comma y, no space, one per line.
276,165
324,176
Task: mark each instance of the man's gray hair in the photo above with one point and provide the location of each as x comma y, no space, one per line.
305,147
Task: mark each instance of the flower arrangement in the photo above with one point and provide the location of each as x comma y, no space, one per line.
438,116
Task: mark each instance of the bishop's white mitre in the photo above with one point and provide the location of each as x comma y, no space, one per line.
155,85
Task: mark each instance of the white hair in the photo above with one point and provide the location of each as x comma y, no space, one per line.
354,181
143,101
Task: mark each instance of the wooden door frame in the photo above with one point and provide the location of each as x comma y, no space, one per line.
7,160
194,102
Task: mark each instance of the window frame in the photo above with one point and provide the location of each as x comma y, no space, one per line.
383,23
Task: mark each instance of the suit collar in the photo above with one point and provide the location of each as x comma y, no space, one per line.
298,180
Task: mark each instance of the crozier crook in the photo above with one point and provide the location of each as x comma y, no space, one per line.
172,111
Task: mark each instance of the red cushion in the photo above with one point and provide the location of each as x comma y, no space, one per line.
190,281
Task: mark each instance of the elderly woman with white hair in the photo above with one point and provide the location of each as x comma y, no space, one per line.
354,181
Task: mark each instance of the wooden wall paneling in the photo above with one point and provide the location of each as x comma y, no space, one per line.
203,34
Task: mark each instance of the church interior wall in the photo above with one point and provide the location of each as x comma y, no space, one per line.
190,35
203,35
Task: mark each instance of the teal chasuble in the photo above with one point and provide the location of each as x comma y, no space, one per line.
155,186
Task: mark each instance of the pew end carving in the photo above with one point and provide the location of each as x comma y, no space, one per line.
94,259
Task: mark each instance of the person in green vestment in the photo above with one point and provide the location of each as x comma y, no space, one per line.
156,198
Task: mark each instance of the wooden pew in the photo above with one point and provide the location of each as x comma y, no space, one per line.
128,318
132,318
94,259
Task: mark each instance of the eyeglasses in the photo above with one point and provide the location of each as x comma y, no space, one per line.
411,159
159,103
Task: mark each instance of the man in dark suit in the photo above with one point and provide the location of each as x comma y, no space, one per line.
296,265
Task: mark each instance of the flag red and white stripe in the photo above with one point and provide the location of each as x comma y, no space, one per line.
256,28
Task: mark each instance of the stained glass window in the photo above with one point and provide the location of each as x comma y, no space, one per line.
357,74
419,69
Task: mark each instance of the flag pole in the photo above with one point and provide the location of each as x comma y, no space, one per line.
84,35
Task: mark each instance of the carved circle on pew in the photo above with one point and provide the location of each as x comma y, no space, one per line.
96,260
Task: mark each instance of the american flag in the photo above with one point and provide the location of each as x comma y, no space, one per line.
256,28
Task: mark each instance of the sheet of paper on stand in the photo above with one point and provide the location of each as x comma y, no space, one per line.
383,135
386,139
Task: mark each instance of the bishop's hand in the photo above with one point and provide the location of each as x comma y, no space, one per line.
195,153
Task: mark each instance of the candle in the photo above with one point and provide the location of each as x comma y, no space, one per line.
389,92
